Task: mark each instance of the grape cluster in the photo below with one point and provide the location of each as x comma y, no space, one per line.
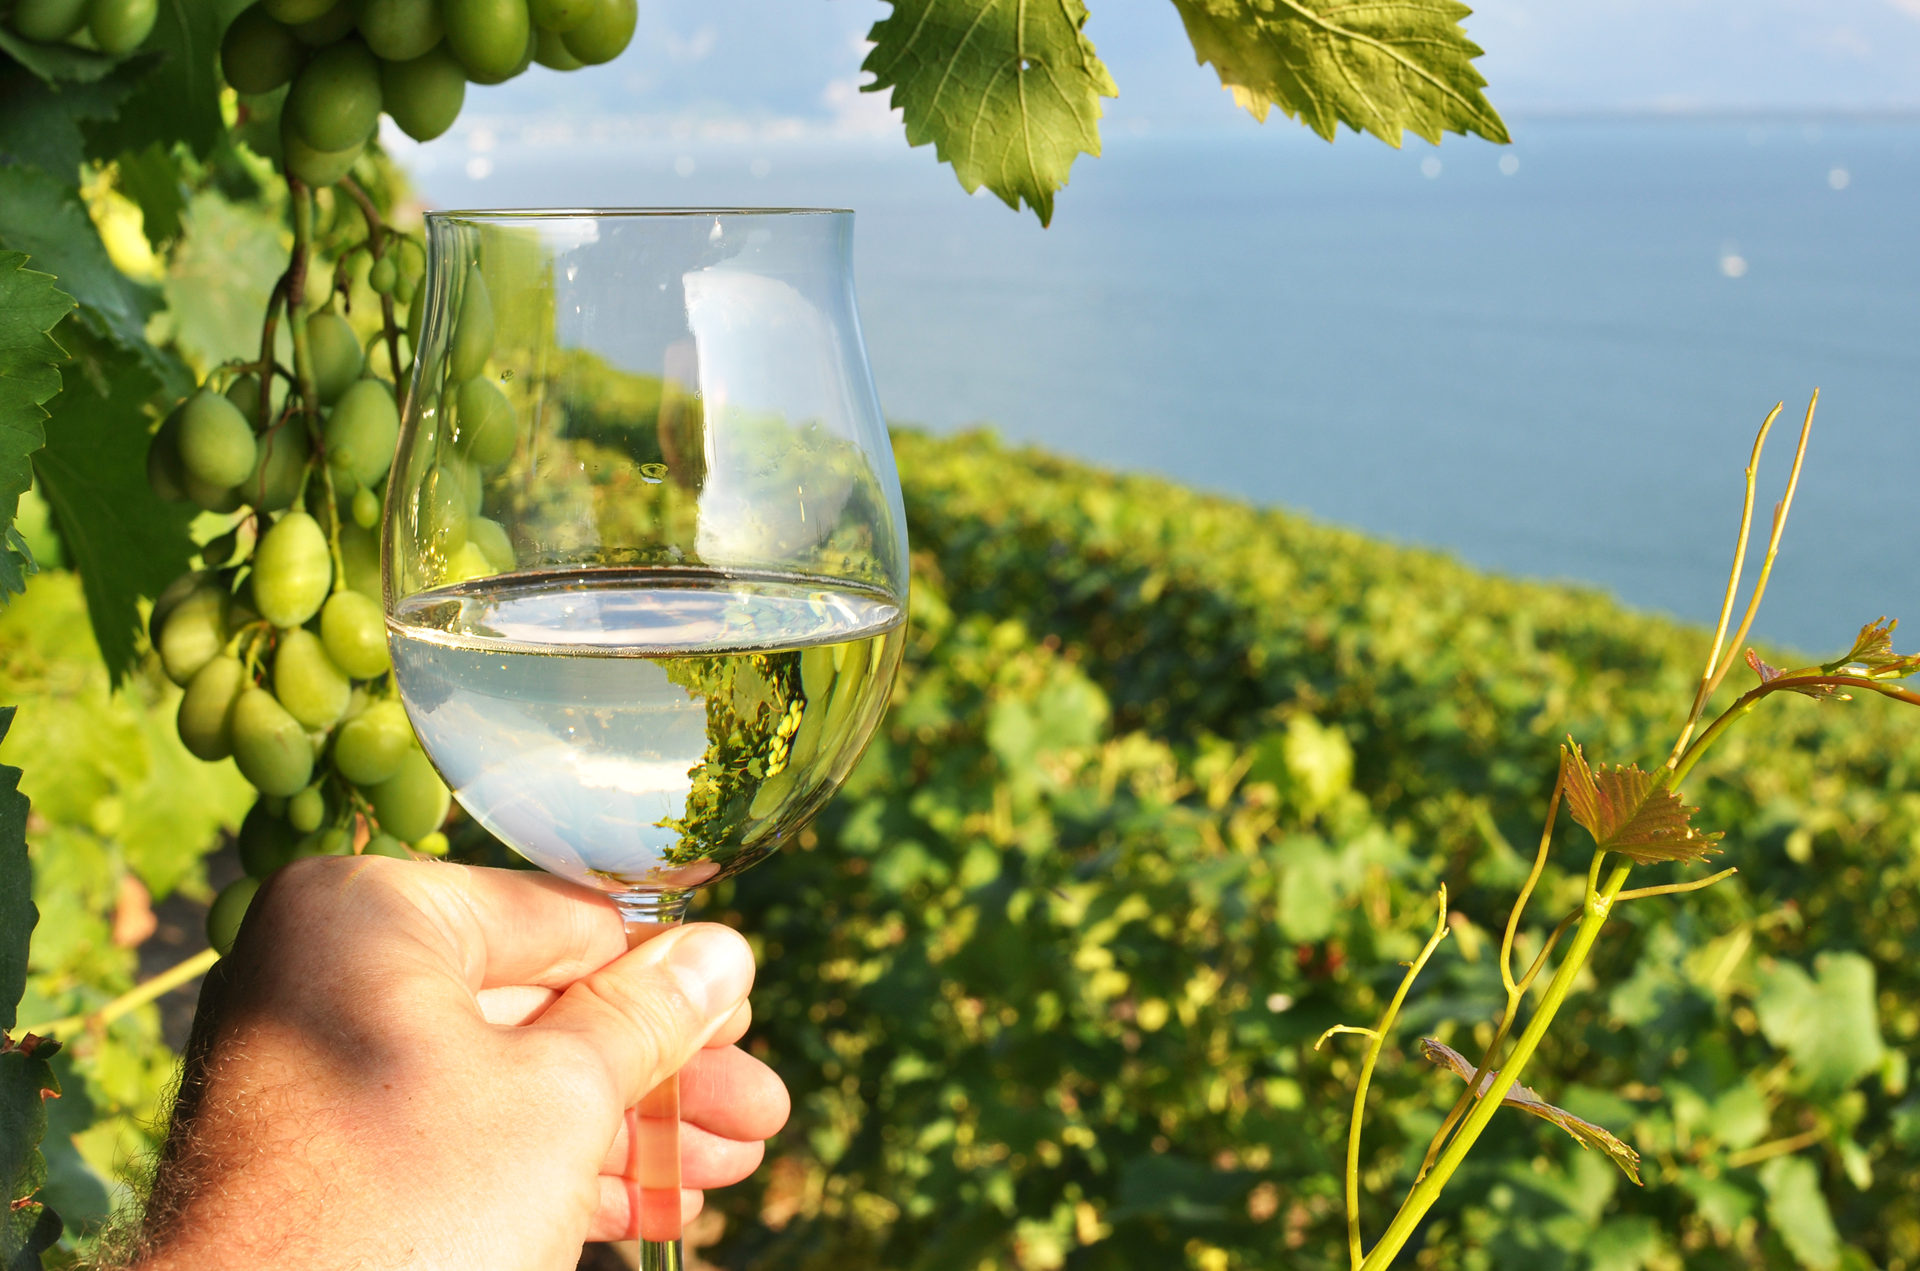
348,60
279,638
110,26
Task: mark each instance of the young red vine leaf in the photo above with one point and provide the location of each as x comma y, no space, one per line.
1629,811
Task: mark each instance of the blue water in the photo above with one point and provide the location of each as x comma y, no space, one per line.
1552,371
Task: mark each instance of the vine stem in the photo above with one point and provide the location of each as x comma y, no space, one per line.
1594,916
134,998
377,236
1378,1035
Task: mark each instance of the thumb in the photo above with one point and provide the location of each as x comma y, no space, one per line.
649,1011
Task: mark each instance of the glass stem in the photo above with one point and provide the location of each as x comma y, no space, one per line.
653,1127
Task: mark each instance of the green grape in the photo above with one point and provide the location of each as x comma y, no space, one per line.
335,354
413,264
434,844
361,430
468,563
424,94
49,20
490,537
192,633
525,60
228,910
604,33
486,430
216,442
317,167
550,50
335,99
560,15
366,508
164,471
369,747
473,334
360,558
398,30
386,845
119,27
212,498
169,598
257,54
275,481
488,36
403,291
382,275
206,706
306,810
413,802
328,27
473,485
266,840
244,393
332,842
313,690
295,11
292,570
355,633
446,502
270,746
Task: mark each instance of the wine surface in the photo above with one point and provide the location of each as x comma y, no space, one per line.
644,728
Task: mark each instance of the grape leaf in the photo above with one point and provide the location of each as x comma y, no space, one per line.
41,122
1828,1022
26,1083
151,179
180,99
30,306
1797,1209
1627,813
17,912
1008,93
122,540
1585,1133
54,62
45,219
1383,66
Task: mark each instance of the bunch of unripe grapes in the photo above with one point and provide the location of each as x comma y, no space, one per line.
348,60
109,26
279,638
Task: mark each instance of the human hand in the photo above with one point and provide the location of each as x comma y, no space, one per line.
413,1065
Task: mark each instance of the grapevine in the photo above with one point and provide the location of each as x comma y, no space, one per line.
278,637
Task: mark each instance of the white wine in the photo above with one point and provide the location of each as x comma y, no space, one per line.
645,728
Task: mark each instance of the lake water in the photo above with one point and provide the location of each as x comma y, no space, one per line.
1548,359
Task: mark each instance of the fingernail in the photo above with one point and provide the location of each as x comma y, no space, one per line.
714,967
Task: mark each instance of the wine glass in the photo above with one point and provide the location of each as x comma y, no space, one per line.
644,556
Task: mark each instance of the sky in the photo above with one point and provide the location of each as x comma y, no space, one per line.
774,69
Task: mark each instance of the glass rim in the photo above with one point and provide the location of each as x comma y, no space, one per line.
616,213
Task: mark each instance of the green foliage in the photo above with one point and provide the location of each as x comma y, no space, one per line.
116,801
1008,93
17,914
123,540
1048,991
30,306
1386,68
27,1226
